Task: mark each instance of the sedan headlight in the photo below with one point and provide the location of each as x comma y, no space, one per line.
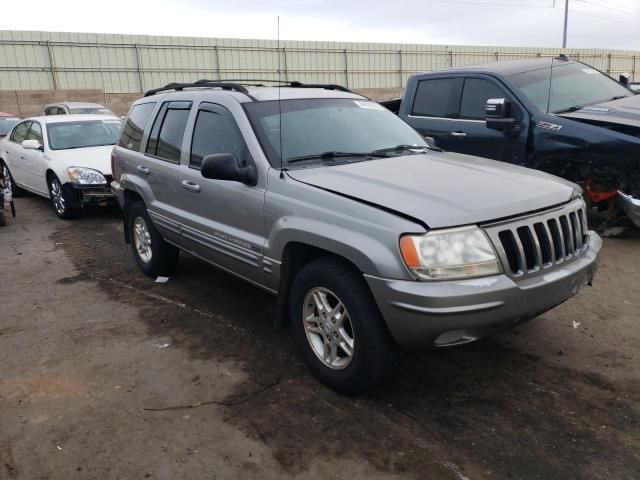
455,253
85,176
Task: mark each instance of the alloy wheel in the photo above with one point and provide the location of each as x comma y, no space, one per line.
57,197
142,239
328,328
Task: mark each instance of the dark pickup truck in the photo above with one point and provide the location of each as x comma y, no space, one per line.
556,115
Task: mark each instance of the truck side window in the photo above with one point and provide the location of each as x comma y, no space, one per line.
475,94
434,98
165,140
137,119
216,132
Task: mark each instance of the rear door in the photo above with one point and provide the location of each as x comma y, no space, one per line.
434,109
160,166
471,135
223,221
14,153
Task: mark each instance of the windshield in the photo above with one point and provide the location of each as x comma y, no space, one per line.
87,133
92,111
573,85
6,124
312,127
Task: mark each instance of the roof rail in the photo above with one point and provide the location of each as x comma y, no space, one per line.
200,84
293,84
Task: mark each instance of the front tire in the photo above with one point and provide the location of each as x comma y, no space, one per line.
152,253
338,327
63,199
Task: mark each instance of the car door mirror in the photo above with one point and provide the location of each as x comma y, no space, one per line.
498,114
31,144
224,166
625,79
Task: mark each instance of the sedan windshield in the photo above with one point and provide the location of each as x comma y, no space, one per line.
91,111
329,130
6,124
573,86
81,134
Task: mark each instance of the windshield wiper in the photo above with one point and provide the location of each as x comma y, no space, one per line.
404,148
332,155
571,109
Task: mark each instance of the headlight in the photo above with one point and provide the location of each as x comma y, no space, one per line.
450,254
85,176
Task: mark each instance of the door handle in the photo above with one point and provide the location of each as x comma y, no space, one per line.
458,134
189,185
143,170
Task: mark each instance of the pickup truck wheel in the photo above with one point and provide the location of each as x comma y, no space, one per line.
153,254
16,191
338,327
62,199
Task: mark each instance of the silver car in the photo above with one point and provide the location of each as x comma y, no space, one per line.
371,239
76,108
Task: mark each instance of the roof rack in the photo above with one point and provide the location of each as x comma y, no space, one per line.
239,86
202,84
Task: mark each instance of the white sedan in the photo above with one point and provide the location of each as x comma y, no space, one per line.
64,158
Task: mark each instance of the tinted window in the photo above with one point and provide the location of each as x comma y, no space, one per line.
475,95
434,98
166,137
215,133
137,119
35,132
20,132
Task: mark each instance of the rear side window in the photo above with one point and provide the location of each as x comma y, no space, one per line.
215,131
436,98
475,95
20,132
165,140
137,120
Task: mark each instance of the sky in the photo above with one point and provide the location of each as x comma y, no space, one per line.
611,24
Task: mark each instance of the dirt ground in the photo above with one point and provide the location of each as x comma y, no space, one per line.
99,364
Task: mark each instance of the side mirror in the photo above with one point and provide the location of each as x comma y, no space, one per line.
498,114
625,79
224,166
31,145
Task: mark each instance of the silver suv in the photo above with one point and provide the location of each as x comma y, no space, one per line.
372,239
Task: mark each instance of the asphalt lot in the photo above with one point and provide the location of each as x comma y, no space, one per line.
99,366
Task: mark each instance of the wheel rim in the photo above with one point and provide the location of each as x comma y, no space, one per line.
328,328
142,239
8,181
57,197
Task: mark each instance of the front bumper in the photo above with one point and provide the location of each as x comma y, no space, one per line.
631,207
455,312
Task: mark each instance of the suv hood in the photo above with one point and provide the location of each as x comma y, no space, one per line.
442,189
98,158
625,111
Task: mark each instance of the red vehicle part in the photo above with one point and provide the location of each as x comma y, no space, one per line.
597,196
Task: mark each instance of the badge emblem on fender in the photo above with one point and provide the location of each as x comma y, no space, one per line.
549,126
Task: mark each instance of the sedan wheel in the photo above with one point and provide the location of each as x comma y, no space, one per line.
61,199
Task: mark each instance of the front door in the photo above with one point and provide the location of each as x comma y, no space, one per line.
223,219
34,162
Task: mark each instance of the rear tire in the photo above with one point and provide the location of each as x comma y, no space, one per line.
62,199
154,256
344,339
16,191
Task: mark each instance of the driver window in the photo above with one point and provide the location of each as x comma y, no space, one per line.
35,132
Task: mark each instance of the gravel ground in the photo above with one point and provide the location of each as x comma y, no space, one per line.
107,375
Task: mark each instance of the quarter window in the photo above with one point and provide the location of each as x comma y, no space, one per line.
20,132
216,132
436,98
475,95
165,140
133,130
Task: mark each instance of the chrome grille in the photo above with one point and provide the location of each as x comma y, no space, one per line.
541,241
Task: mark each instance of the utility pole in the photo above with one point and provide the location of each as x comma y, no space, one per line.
566,21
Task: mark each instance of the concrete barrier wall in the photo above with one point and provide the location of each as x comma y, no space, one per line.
28,103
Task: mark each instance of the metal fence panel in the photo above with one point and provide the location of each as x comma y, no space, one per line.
134,63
